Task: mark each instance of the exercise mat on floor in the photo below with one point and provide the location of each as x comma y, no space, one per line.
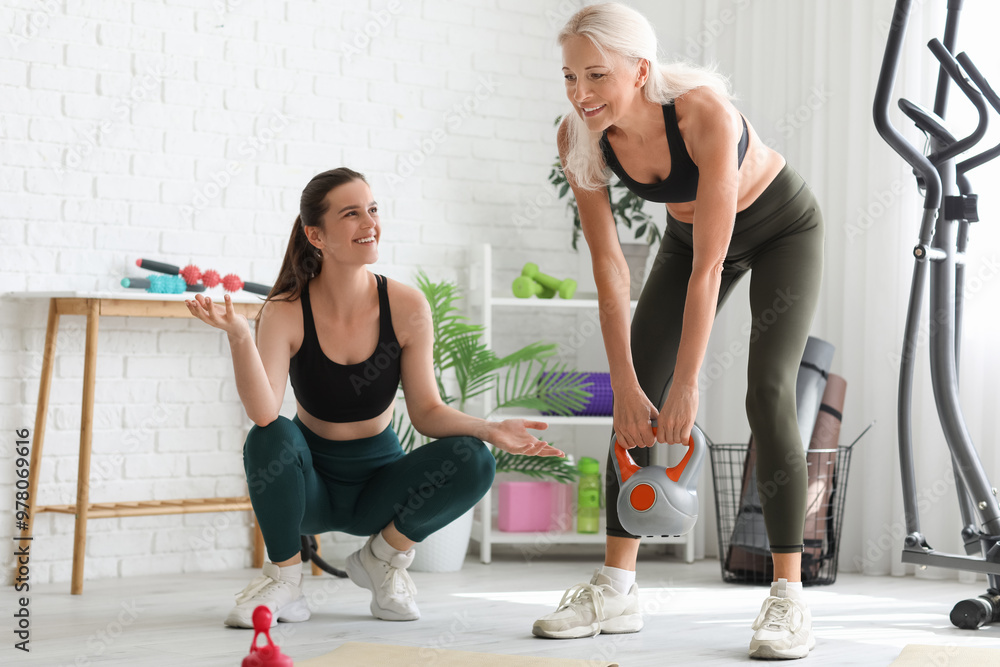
921,655
358,654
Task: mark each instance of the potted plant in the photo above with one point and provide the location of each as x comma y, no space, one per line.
626,208
465,368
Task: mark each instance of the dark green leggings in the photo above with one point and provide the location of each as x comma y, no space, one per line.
302,484
779,238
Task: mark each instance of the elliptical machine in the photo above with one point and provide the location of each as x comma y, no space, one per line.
944,236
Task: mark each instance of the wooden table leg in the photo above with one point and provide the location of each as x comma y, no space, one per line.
86,433
41,413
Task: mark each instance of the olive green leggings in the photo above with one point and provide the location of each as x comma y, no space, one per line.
779,238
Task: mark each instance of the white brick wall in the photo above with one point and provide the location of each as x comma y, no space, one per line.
115,116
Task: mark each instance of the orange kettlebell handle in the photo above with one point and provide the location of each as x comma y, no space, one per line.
628,466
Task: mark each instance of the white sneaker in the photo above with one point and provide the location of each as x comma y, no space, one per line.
391,587
783,628
589,609
285,600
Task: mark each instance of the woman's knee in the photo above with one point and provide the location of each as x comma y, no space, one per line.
477,460
276,444
769,394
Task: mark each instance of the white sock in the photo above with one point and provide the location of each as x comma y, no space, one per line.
621,580
786,589
291,574
383,550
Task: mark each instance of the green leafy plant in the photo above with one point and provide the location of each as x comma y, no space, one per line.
523,379
626,206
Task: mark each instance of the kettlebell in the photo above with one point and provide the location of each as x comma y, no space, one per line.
655,501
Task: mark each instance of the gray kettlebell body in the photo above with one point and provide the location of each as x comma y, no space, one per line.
655,501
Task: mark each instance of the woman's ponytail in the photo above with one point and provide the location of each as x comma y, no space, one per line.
301,263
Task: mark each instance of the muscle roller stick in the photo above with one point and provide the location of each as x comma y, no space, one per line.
191,274
162,285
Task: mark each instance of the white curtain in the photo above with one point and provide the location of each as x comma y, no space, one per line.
805,75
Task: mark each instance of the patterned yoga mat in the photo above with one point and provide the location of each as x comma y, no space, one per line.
358,654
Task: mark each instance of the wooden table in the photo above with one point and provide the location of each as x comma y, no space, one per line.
93,306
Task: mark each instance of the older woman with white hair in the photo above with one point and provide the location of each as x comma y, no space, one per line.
672,135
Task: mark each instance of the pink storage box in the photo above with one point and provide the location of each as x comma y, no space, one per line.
525,506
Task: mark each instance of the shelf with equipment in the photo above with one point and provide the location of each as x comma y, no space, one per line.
487,533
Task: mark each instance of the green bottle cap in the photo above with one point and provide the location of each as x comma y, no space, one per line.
589,466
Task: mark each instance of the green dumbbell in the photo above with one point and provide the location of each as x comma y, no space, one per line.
565,288
525,288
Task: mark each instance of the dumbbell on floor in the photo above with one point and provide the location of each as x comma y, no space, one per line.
565,288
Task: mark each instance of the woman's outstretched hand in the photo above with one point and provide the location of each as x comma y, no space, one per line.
220,317
511,435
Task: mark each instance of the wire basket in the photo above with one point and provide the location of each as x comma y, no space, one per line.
744,550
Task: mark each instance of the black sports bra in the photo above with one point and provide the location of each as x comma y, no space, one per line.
346,392
681,184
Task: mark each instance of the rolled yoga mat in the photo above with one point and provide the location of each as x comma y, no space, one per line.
749,549
810,384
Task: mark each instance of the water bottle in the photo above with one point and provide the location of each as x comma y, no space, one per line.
589,492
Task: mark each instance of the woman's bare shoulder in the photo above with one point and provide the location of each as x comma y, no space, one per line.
703,101
705,117
410,310
281,318
282,305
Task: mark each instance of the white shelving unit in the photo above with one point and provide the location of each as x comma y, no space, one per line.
484,530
